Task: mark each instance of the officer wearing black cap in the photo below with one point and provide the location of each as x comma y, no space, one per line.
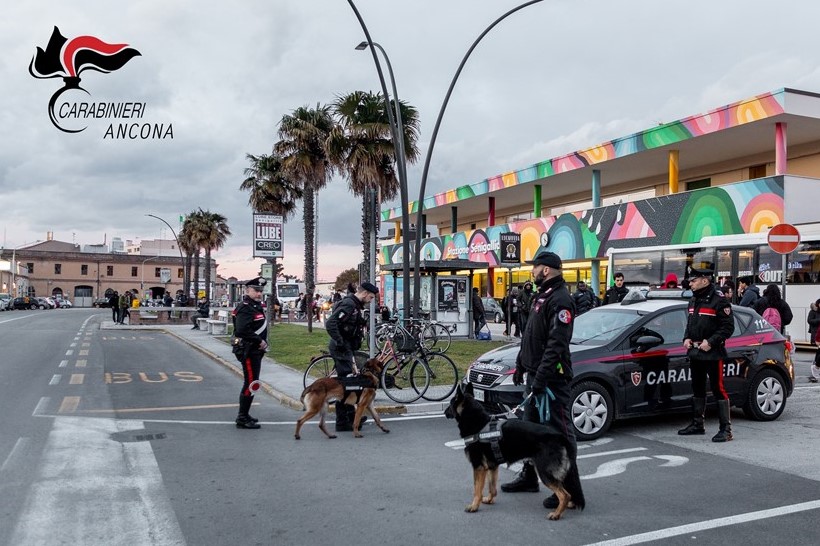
710,324
251,329
545,356
344,325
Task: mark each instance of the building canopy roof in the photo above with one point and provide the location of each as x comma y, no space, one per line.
439,266
742,129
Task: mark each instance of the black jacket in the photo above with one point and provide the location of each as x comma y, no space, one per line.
783,308
710,319
525,299
344,325
615,294
545,343
250,324
750,296
584,301
478,306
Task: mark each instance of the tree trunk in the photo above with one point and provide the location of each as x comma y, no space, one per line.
208,273
310,273
186,285
196,275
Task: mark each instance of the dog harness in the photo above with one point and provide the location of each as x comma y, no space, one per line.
490,434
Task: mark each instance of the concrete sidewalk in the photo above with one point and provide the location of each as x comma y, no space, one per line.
279,381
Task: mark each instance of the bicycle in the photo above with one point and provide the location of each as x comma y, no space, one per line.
323,366
406,368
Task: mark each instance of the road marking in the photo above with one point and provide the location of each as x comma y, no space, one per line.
74,344
18,318
81,363
40,407
55,379
85,345
83,352
76,379
69,404
725,521
69,352
170,408
616,452
63,363
15,454
107,492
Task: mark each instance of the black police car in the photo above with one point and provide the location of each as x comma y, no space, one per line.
628,361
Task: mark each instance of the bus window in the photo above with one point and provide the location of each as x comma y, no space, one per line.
639,267
806,261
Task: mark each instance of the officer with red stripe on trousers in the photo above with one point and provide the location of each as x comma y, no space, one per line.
709,325
251,327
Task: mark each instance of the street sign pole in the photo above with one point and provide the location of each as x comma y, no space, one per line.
784,239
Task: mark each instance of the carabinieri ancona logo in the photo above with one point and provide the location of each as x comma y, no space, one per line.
68,59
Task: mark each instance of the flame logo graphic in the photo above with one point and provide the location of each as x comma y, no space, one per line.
67,59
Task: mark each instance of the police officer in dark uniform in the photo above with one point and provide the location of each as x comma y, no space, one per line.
344,325
251,329
545,357
710,324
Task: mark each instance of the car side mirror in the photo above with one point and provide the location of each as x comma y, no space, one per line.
647,342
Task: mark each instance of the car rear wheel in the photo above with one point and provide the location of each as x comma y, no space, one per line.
767,397
592,410
497,318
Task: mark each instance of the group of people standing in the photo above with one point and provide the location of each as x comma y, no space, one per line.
119,304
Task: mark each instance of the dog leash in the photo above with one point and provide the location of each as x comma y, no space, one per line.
540,403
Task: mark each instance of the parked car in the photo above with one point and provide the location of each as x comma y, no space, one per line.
629,361
43,303
64,304
493,310
100,303
5,300
24,302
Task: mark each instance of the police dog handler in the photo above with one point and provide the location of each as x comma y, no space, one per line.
545,357
345,327
251,332
710,324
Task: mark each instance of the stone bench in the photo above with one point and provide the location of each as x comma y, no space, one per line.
219,325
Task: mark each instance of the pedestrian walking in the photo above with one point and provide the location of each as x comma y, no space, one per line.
709,325
345,325
525,299
774,309
617,292
251,333
478,312
510,305
814,321
125,303
545,358
114,303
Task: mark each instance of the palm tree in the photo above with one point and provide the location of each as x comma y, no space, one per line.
269,190
303,135
195,233
362,146
188,245
215,232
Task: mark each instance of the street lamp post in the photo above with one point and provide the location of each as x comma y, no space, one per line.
179,248
142,271
398,149
422,188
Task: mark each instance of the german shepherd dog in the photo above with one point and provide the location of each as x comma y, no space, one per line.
552,454
319,393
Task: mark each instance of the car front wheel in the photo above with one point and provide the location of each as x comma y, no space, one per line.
592,410
767,396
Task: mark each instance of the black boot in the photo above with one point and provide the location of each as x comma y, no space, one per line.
343,423
724,414
696,426
527,481
243,419
351,415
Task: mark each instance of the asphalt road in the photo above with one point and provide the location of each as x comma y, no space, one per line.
117,437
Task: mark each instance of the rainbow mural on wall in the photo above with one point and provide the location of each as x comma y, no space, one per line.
744,207
732,115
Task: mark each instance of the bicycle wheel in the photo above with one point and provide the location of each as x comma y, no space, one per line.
436,337
404,382
443,377
320,366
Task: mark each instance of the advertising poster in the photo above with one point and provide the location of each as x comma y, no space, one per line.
447,294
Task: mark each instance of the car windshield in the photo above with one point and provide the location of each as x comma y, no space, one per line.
602,325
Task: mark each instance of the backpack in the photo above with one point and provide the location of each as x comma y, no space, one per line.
772,316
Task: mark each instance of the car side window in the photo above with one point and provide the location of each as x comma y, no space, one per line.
669,325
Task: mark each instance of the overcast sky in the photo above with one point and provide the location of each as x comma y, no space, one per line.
553,78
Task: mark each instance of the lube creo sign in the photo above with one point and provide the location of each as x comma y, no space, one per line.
475,248
71,108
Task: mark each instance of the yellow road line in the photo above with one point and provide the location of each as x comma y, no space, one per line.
77,379
172,408
69,404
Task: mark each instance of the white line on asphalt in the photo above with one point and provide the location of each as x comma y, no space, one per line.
16,452
69,352
661,534
17,318
107,492
73,344
616,452
41,406
63,364
269,423
55,379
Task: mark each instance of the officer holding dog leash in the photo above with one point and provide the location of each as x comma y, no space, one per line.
545,356
251,342
344,325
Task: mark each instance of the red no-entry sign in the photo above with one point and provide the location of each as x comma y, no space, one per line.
784,238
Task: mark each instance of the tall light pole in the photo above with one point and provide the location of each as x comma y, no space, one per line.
422,188
398,152
174,233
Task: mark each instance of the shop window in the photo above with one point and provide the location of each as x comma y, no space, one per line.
58,269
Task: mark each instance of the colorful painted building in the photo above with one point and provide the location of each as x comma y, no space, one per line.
737,169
